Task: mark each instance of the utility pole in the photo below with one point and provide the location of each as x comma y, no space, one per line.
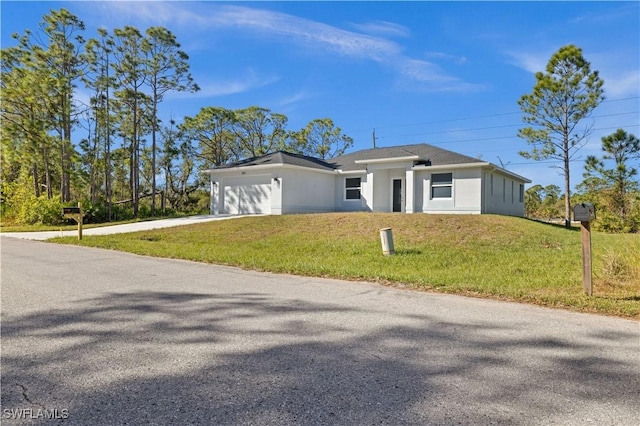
374,138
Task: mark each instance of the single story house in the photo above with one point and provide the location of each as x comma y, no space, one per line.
408,179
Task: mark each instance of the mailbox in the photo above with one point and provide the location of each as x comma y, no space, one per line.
70,210
584,212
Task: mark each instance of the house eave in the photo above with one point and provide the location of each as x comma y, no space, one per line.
265,167
450,166
388,160
508,173
352,172
484,165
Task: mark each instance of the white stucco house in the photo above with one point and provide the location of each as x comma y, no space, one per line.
410,179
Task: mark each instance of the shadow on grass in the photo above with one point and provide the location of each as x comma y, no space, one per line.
250,358
631,298
408,252
574,227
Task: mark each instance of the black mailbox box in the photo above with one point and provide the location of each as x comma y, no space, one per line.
584,212
70,210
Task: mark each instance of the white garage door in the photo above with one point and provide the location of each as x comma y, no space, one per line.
247,195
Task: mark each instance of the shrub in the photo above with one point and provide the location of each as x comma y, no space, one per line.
40,211
609,222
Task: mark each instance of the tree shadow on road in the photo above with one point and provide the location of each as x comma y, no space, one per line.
249,358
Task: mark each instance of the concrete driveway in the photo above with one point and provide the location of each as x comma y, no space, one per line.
98,337
120,229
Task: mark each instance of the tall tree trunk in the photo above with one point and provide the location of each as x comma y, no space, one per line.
153,154
65,185
47,173
135,155
93,190
131,149
36,183
567,190
107,159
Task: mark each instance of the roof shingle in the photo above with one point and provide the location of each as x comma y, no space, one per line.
428,154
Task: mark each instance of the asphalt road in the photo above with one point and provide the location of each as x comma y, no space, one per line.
97,337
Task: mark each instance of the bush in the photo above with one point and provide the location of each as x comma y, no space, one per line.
609,222
40,211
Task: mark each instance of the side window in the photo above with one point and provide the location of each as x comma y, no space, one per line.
512,191
441,185
352,188
491,184
504,190
521,193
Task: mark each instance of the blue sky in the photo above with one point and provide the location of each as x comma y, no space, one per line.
445,73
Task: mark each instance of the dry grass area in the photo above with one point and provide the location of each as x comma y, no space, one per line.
485,256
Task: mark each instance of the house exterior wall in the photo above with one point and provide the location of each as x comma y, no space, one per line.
502,195
307,191
344,205
465,192
284,190
381,191
379,185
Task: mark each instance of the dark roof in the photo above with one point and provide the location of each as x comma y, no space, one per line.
428,154
281,157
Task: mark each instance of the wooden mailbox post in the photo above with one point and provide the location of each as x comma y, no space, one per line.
585,213
74,213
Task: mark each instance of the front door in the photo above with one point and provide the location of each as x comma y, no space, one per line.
397,195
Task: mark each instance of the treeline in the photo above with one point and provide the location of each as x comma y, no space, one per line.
112,152
614,190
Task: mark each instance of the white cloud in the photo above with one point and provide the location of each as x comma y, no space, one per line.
292,29
431,77
307,32
459,60
383,28
620,85
228,86
217,16
532,62
292,99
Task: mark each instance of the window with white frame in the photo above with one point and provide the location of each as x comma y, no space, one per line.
352,188
441,185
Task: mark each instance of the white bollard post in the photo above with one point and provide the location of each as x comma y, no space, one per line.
386,237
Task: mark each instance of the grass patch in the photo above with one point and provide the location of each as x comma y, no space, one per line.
484,256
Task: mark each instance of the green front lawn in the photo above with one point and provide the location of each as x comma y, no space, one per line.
486,256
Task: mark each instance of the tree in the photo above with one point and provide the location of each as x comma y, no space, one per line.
64,62
98,55
130,76
320,138
542,202
615,185
177,160
562,97
533,201
551,202
259,131
50,63
27,120
211,130
167,70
